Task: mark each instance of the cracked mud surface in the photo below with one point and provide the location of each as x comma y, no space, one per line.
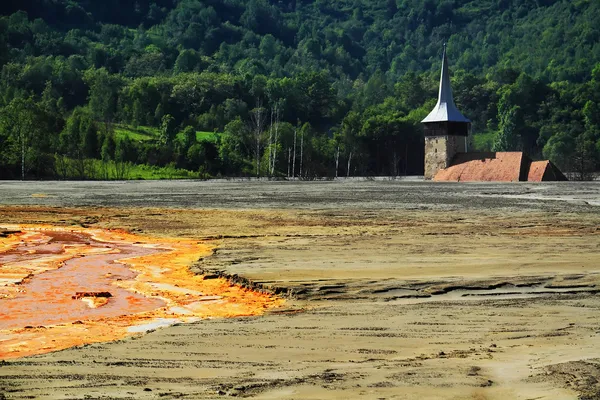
398,290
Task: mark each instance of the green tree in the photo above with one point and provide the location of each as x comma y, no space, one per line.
24,139
508,138
79,139
167,130
585,157
103,97
235,148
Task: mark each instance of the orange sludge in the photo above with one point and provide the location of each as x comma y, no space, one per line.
63,287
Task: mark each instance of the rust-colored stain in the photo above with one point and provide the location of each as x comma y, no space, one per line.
64,287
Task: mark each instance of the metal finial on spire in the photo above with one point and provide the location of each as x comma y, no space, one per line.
445,109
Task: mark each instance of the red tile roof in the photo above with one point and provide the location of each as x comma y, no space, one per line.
498,167
487,167
537,170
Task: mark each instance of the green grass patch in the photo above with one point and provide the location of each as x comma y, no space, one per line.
141,133
67,168
148,172
147,133
484,141
207,136
201,136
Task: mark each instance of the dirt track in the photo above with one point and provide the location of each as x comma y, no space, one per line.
400,290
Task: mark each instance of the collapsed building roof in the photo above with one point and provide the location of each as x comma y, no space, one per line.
498,167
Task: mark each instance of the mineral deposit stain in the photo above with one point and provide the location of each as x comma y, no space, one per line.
64,287
47,299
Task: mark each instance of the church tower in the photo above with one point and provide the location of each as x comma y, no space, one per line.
446,129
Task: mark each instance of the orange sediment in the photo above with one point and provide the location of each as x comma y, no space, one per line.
64,287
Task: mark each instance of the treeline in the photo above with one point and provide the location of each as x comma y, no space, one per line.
298,88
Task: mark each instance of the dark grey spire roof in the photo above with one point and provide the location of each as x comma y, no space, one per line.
445,110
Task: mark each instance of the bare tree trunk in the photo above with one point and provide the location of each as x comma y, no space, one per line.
270,161
395,165
337,160
258,120
274,157
22,155
257,157
349,160
294,162
289,160
301,152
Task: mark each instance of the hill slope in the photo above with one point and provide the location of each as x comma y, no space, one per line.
352,78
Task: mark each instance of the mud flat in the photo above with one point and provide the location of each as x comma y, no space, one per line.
404,290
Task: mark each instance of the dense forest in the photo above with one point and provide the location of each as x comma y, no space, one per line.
206,88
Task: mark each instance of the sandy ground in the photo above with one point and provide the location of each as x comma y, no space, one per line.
403,290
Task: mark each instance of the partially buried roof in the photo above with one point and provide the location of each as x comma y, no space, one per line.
541,171
445,110
498,167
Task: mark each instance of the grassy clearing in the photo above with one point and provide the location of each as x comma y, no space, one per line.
98,170
147,133
148,172
202,136
141,133
207,136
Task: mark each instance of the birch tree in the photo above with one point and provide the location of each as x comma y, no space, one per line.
258,119
301,151
337,160
273,146
19,126
289,160
349,162
270,144
294,157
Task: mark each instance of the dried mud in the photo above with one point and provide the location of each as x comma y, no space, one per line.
394,290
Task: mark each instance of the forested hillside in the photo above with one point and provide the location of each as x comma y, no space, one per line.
198,88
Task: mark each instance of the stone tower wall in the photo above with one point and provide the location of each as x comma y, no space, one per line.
439,151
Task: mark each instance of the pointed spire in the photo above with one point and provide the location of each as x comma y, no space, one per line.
445,93
445,109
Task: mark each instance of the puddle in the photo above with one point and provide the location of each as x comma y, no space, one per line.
64,287
46,299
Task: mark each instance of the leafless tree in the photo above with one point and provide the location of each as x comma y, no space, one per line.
349,161
289,160
337,160
273,146
270,145
294,158
301,151
258,117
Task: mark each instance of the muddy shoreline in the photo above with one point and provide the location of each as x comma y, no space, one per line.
401,290
552,196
